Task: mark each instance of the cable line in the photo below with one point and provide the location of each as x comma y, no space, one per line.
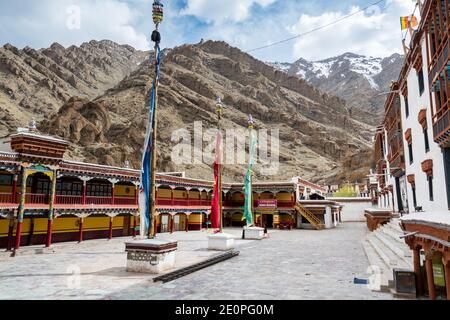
316,29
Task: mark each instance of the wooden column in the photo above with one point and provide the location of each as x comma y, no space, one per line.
171,196
110,228
171,223
447,279
84,192
113,198
418,273
23,190
187,193
51,209
430,278
80,231
155,226
187,223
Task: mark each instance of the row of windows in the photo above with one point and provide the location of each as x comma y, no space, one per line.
430,191
427,146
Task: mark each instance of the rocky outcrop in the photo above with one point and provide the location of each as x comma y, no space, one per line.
102,91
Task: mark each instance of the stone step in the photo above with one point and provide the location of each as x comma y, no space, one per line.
394,224
396,247
376,264
395,238
389,257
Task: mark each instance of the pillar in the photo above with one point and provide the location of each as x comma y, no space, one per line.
171,223
171,196
110,236
48,243
430,278
188,201
447,277
417,272
80,231
84,192
187,223
23,190
113,198
155,225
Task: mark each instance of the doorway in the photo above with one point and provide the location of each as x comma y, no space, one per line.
268,221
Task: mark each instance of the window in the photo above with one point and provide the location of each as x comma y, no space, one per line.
6,180
421,81
411,156
406,106
427,142
430,187
414,197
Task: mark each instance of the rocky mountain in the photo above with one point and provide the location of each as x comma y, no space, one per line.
97,97
357,79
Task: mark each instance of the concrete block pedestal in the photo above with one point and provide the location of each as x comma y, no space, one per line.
221,242
150,256
253,233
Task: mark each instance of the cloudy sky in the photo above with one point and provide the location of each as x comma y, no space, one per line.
246,24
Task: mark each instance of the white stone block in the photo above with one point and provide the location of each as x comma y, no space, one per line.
221,242
150,256
254,233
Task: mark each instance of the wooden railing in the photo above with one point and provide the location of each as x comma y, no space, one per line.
312,219
34,198
6,198
99,201
182,202
69,200
441,128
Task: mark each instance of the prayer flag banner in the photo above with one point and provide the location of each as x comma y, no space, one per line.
408,22
215,206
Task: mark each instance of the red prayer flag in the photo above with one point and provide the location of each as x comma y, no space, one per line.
215,206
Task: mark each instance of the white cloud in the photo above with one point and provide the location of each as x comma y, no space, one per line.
46,21
375,32
219,11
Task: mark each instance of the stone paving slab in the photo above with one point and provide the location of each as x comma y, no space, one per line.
297,264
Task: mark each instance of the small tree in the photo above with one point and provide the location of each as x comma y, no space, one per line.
346,191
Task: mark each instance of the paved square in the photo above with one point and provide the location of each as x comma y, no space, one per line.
297,264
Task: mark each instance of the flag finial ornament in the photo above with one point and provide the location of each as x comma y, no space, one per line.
219,106
158,12
250,122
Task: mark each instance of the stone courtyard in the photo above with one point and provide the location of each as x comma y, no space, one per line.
297,264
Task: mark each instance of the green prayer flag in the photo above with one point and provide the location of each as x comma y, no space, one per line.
248,214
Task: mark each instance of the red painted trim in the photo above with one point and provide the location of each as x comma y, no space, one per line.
48,243
18,235
110,236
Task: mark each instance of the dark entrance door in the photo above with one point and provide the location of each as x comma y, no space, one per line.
268,221
399,194
446,152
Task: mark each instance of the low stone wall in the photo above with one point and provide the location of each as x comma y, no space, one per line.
354,208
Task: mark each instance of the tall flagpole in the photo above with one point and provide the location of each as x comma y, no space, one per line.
219,107
250,127
158,15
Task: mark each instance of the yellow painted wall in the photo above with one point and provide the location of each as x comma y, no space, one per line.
195,218
194,195
4,227
5,189
179,194
164,193
284,196
266,196
121,191
237,217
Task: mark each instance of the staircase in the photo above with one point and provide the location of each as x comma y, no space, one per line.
312,219
386,252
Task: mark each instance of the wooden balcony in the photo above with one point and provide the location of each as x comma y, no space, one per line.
441,130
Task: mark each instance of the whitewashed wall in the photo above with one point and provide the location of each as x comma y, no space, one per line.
353,210
417,103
